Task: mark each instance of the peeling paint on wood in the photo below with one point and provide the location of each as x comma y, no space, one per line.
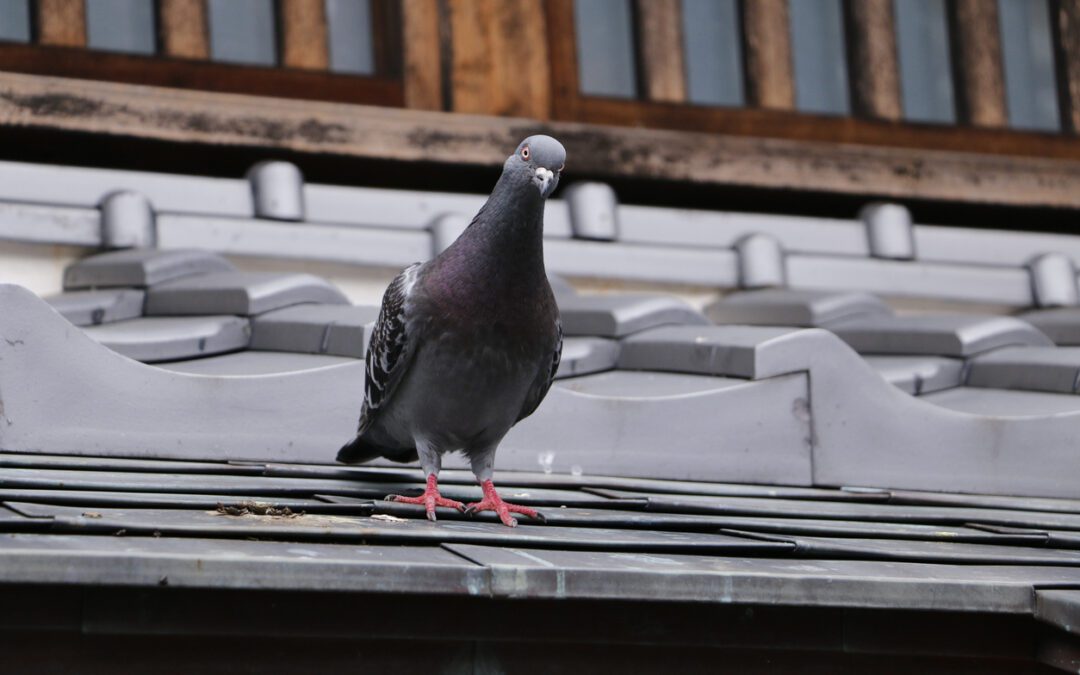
413,135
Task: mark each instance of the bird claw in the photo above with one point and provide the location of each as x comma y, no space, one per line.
429,500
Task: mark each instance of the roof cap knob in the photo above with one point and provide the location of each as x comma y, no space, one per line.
127,221
761,261
593,211
1053,281
889,232
277,190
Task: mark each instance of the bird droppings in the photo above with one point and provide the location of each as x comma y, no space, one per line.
546,460
91,514
576,471
388,518
253,508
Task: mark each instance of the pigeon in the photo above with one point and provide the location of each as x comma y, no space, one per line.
467,344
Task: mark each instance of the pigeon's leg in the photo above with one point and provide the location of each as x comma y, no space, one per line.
431,461
481,465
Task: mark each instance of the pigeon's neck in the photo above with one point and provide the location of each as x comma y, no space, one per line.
502,252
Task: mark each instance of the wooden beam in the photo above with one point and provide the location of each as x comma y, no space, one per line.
1066,29
873,65
351,131
977,63
422,46
660,45
61,23
770,80
304,43
184,29
500,58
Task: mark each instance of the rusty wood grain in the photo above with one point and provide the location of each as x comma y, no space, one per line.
304,42
660,41
767,45
184,30
500,58
422,45
977,62
61,23
872,59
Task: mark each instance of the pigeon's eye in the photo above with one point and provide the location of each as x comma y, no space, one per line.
525,152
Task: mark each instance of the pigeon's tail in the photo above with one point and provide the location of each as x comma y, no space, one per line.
361,449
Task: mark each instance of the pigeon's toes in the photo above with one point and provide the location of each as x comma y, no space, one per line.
493,502
429,498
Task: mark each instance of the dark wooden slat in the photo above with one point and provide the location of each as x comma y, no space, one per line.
565,88
422,54
183,28
61,22
317,130
767,45
189,74
1066,29
872,59
304,42
660,45
500,59
977,62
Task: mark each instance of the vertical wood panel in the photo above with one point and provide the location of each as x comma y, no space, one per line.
767,45
562,40
873,65
184,30
660,45
422,54
303,34
977,63
500,58
61,22
1066,23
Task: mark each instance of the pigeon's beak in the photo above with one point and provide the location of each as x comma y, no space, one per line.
545,180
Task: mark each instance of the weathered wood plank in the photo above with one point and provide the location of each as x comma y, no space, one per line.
770,81
977,62
329,129
422,45
304,41
1065,18
184,30
660,42
500,58
61,23
872,59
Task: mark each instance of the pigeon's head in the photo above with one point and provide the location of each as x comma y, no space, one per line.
538,159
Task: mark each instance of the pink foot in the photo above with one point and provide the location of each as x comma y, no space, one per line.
430,499
493,502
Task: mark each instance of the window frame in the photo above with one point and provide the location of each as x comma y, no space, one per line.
71,57
569,104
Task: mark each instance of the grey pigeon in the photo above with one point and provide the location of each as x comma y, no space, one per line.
467,344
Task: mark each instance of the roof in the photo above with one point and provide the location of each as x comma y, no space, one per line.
798,442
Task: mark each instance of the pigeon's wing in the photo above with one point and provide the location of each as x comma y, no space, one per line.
391,347
544,378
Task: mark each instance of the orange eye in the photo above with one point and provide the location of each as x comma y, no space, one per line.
525,152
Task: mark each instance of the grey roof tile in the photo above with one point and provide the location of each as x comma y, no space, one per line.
790,307
703,350
90,308
169,338
623,384
919,375
958,335
141,267
242,293
338,330
1062,325
255,363
973,283
584,355
1004,402
616,315
1051,369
